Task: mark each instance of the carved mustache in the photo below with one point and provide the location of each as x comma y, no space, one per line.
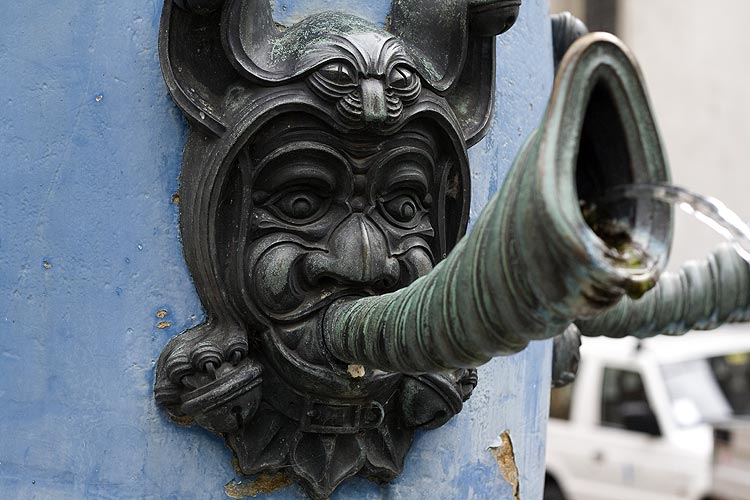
295,282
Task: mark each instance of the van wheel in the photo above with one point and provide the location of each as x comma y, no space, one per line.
552,490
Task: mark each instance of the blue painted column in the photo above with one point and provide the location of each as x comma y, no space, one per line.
93,282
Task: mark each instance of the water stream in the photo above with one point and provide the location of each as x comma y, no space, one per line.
710,211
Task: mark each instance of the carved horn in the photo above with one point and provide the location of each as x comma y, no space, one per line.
474,96
196,79
461,48
492,17
249,32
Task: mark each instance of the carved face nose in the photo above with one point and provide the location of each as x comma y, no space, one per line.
373,100
358,255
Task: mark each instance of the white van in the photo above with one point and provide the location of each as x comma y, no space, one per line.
731,470
636,423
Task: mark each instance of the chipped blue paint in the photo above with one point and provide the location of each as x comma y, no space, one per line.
91,147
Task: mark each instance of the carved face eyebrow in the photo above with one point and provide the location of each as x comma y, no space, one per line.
301,163
277,179
406,164
407,174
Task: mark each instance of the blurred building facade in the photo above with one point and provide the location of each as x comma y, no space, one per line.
694,56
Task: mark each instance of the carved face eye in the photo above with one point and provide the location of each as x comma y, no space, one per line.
339,73
299,205
403,208
402,78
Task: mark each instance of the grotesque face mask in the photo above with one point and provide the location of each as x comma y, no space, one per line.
323,162
333,216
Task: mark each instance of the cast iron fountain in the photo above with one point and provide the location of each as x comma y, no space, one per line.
324,201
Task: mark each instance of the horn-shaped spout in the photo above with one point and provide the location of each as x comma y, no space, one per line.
536,259
701,296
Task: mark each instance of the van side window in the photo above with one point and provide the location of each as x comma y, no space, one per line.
624,402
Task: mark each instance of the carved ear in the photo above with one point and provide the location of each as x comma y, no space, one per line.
454,47
193,61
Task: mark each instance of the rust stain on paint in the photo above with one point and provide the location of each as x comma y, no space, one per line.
163,324
506,459
261,486
161,314
183,421
236,466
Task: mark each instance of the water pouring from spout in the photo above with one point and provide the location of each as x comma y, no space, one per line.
710,211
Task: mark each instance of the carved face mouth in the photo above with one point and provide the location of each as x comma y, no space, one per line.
291,280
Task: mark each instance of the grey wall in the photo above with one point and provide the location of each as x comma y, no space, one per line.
695,59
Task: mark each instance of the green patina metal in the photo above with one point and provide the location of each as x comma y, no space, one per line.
700,296
533,264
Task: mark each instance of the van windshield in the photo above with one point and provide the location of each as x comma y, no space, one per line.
708,390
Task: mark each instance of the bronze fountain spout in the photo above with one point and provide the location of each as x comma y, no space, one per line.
537,261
